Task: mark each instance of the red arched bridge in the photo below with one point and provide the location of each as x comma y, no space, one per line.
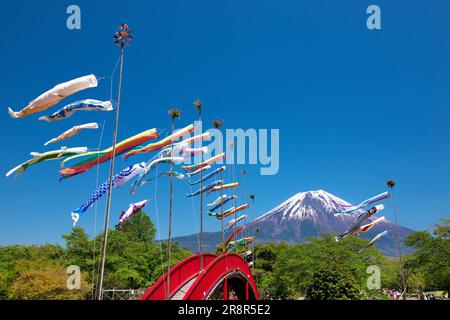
223,277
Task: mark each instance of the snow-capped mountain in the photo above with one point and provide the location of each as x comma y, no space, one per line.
307,214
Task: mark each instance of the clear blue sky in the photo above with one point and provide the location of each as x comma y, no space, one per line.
354,107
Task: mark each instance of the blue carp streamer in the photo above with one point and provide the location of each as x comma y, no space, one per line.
209,175
118,179
82,105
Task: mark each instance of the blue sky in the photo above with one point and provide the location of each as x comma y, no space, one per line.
354,107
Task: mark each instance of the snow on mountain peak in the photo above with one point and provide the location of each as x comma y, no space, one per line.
310,204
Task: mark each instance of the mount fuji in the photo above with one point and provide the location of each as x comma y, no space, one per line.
305,215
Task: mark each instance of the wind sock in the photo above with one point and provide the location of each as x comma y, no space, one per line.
194,151
224,186
175,174
368,226
220,198
172,150
82,105
202,136
73,131
55,95
233,244
209,175
231,223
366,203
190,174
49,155
92,159
229,212
162,143
132,210
205,189
222,203
209,161
374,239
366,215
149,167
129,173
117,180
360,219
360,229
234,234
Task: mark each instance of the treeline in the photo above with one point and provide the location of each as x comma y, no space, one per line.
326,269
133,260
319,269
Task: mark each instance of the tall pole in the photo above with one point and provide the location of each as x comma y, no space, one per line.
391,185
198,106
235,201
217,124
122,37
244,172
222,218
252,196
174,113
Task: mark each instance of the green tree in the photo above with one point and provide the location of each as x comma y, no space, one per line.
333,282
432,256
47,283
78,249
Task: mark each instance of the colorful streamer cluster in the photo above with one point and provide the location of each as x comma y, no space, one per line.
149,167
91,159
243,241
162,143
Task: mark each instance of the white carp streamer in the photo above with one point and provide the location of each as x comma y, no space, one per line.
72,131
55,95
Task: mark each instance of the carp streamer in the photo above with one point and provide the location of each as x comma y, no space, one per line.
118,179
150,166
222,203
132,210
50,155
162,143
366,203
82,105
209,175
55,95
205,189
92,159
231,223
73,131
228,212
205,163
374,239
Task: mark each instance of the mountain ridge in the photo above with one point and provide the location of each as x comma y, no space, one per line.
303,215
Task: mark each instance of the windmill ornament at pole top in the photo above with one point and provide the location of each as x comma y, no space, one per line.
123,35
